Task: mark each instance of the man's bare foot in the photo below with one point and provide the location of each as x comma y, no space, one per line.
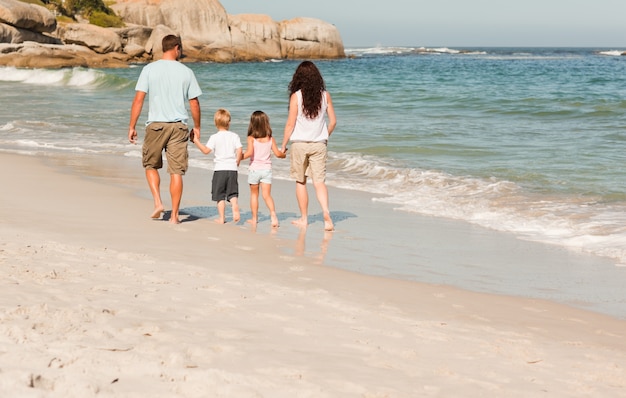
157,213
328,223
300,222
274,220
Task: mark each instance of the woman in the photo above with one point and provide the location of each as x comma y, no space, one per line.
306,128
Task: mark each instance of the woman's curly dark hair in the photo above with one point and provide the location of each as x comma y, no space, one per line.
308,79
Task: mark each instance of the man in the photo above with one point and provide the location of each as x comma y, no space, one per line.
169,85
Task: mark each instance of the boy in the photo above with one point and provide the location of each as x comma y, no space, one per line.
226,146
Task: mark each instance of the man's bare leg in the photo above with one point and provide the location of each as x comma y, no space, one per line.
322,196
176,191
303,203
154,183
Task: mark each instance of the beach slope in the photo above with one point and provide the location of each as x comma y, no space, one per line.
99,300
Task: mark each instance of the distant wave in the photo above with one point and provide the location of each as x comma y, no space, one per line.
74,77
613,53
356,52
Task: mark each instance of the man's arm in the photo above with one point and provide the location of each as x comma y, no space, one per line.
194,106
135,112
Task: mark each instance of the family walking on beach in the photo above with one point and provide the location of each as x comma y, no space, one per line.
170,85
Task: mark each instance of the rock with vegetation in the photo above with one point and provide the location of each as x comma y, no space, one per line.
126,31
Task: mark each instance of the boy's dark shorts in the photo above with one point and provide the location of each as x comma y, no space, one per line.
173,138
225,185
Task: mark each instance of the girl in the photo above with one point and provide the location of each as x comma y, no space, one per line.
261,144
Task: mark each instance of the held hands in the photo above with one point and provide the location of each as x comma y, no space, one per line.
194,135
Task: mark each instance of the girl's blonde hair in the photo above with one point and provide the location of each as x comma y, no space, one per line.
259,126
222,119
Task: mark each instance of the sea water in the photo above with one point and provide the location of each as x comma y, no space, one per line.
528,141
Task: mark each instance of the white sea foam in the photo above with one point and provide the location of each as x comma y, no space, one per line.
76,77
613,53
576,223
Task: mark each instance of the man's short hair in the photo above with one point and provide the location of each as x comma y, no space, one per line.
169,42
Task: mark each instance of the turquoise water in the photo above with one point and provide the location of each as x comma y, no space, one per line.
527,141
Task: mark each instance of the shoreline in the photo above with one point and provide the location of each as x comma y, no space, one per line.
101,299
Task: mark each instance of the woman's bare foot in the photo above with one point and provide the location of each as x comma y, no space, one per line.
157,212
252,221
220,221
328,223
300,222
274,220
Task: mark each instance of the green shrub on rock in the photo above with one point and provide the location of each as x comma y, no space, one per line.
105,20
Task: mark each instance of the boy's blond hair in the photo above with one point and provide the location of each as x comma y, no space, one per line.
222,119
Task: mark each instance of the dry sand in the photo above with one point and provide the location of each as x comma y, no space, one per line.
99,300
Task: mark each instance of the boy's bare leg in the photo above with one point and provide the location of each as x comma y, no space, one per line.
303,203
221,209
234,201
322,196
176,191
154,183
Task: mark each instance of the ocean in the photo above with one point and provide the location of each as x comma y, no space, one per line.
526,141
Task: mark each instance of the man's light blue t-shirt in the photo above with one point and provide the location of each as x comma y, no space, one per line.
169,85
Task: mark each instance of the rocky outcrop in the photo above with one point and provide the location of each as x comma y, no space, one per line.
207,31
309,38
254,37
100,40
27,16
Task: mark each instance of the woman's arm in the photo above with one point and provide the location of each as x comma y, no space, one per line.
277,152
291,120
330,111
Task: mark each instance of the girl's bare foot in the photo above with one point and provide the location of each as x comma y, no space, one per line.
157,212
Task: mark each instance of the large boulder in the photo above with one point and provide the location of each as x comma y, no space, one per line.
11,34
310,38
100,40
27,16
203,21
254,37
36,55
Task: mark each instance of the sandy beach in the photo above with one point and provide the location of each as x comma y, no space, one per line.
99,300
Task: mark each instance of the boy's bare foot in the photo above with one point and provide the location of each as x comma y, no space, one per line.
236,215
157,212
300,222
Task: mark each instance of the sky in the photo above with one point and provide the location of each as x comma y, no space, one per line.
458,23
